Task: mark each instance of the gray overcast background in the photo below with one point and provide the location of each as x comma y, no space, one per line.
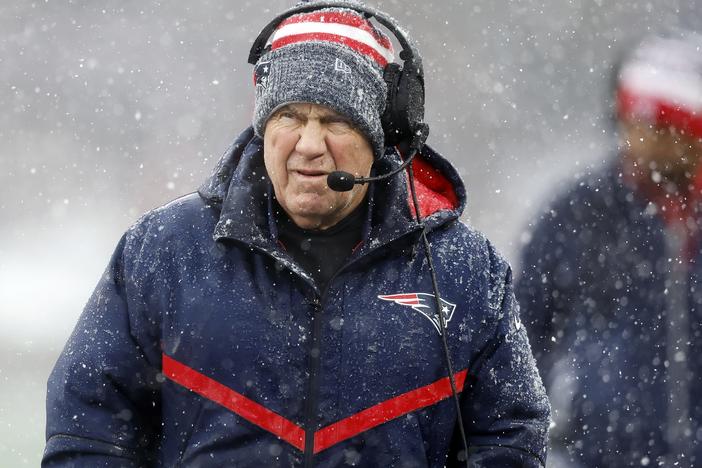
111,108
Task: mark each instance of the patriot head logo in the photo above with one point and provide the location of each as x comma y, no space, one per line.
261,73
425,304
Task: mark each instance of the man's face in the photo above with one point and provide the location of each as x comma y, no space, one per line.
302,144
664,149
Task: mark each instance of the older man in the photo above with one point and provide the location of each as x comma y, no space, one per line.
268,320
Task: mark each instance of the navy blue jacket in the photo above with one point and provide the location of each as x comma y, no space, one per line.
601,293
204,344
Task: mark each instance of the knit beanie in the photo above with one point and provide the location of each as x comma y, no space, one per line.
661,82
333,57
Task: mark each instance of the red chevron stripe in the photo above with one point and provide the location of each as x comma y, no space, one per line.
292,433
386,411
235,402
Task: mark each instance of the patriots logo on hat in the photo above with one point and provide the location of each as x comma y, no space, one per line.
425,304
261,72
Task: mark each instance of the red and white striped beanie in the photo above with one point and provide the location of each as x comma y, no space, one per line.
661,83
333,57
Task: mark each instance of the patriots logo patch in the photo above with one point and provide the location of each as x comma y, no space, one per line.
425,304
261,73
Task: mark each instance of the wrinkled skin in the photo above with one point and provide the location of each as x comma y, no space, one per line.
305,142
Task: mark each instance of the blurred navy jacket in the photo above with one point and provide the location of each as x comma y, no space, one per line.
611,299
206,345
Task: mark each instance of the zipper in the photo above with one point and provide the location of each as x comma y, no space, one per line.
314,359
314,365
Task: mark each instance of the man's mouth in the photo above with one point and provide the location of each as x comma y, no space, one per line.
310,172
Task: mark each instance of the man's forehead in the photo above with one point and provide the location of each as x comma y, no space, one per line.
310,108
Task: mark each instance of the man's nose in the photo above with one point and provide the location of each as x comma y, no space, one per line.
312,140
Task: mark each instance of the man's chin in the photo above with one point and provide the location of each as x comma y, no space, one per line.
307,215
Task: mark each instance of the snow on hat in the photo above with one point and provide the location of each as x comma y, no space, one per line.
661,83
334,57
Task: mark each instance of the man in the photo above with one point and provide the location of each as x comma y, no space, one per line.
609,289
268,320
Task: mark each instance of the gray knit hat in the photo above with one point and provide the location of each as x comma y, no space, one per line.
333,57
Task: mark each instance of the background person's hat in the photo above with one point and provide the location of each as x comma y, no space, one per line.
661,82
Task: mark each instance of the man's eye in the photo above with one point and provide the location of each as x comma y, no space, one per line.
340,125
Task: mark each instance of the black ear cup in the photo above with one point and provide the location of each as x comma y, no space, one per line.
404,107
393,126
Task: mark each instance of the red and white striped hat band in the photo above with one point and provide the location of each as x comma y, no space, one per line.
343,27
663,88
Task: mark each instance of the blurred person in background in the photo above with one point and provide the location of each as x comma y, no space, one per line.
609,289
268,320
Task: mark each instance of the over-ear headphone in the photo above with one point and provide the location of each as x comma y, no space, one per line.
404,106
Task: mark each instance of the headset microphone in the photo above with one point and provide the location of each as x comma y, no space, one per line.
341,181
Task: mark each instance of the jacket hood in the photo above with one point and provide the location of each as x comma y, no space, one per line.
239,186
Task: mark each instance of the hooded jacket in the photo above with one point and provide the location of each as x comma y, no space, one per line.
204,344
609,296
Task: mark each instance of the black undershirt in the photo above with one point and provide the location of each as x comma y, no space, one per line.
321,252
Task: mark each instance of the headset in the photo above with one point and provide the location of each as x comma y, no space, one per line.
402,122
404,107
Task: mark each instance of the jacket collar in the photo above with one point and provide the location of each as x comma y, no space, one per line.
241,189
